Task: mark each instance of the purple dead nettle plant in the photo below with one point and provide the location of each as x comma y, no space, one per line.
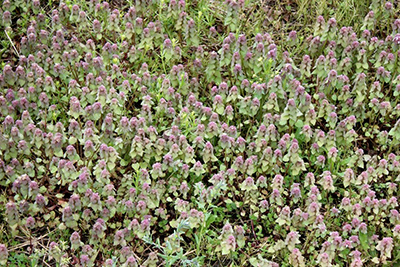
294,149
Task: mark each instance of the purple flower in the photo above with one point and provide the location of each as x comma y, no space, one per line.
292,239
30,222
385,246
131,262
3,253
388,6
85,260
75,239
323,259
296,259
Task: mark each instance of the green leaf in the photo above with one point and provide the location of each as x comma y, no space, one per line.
271,250
364,241
253,261
124,162
375,260
220,110
47,216
225,250
136,166
299,124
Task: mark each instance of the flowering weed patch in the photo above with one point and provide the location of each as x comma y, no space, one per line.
189,133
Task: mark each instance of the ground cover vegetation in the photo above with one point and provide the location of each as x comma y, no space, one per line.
199,133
